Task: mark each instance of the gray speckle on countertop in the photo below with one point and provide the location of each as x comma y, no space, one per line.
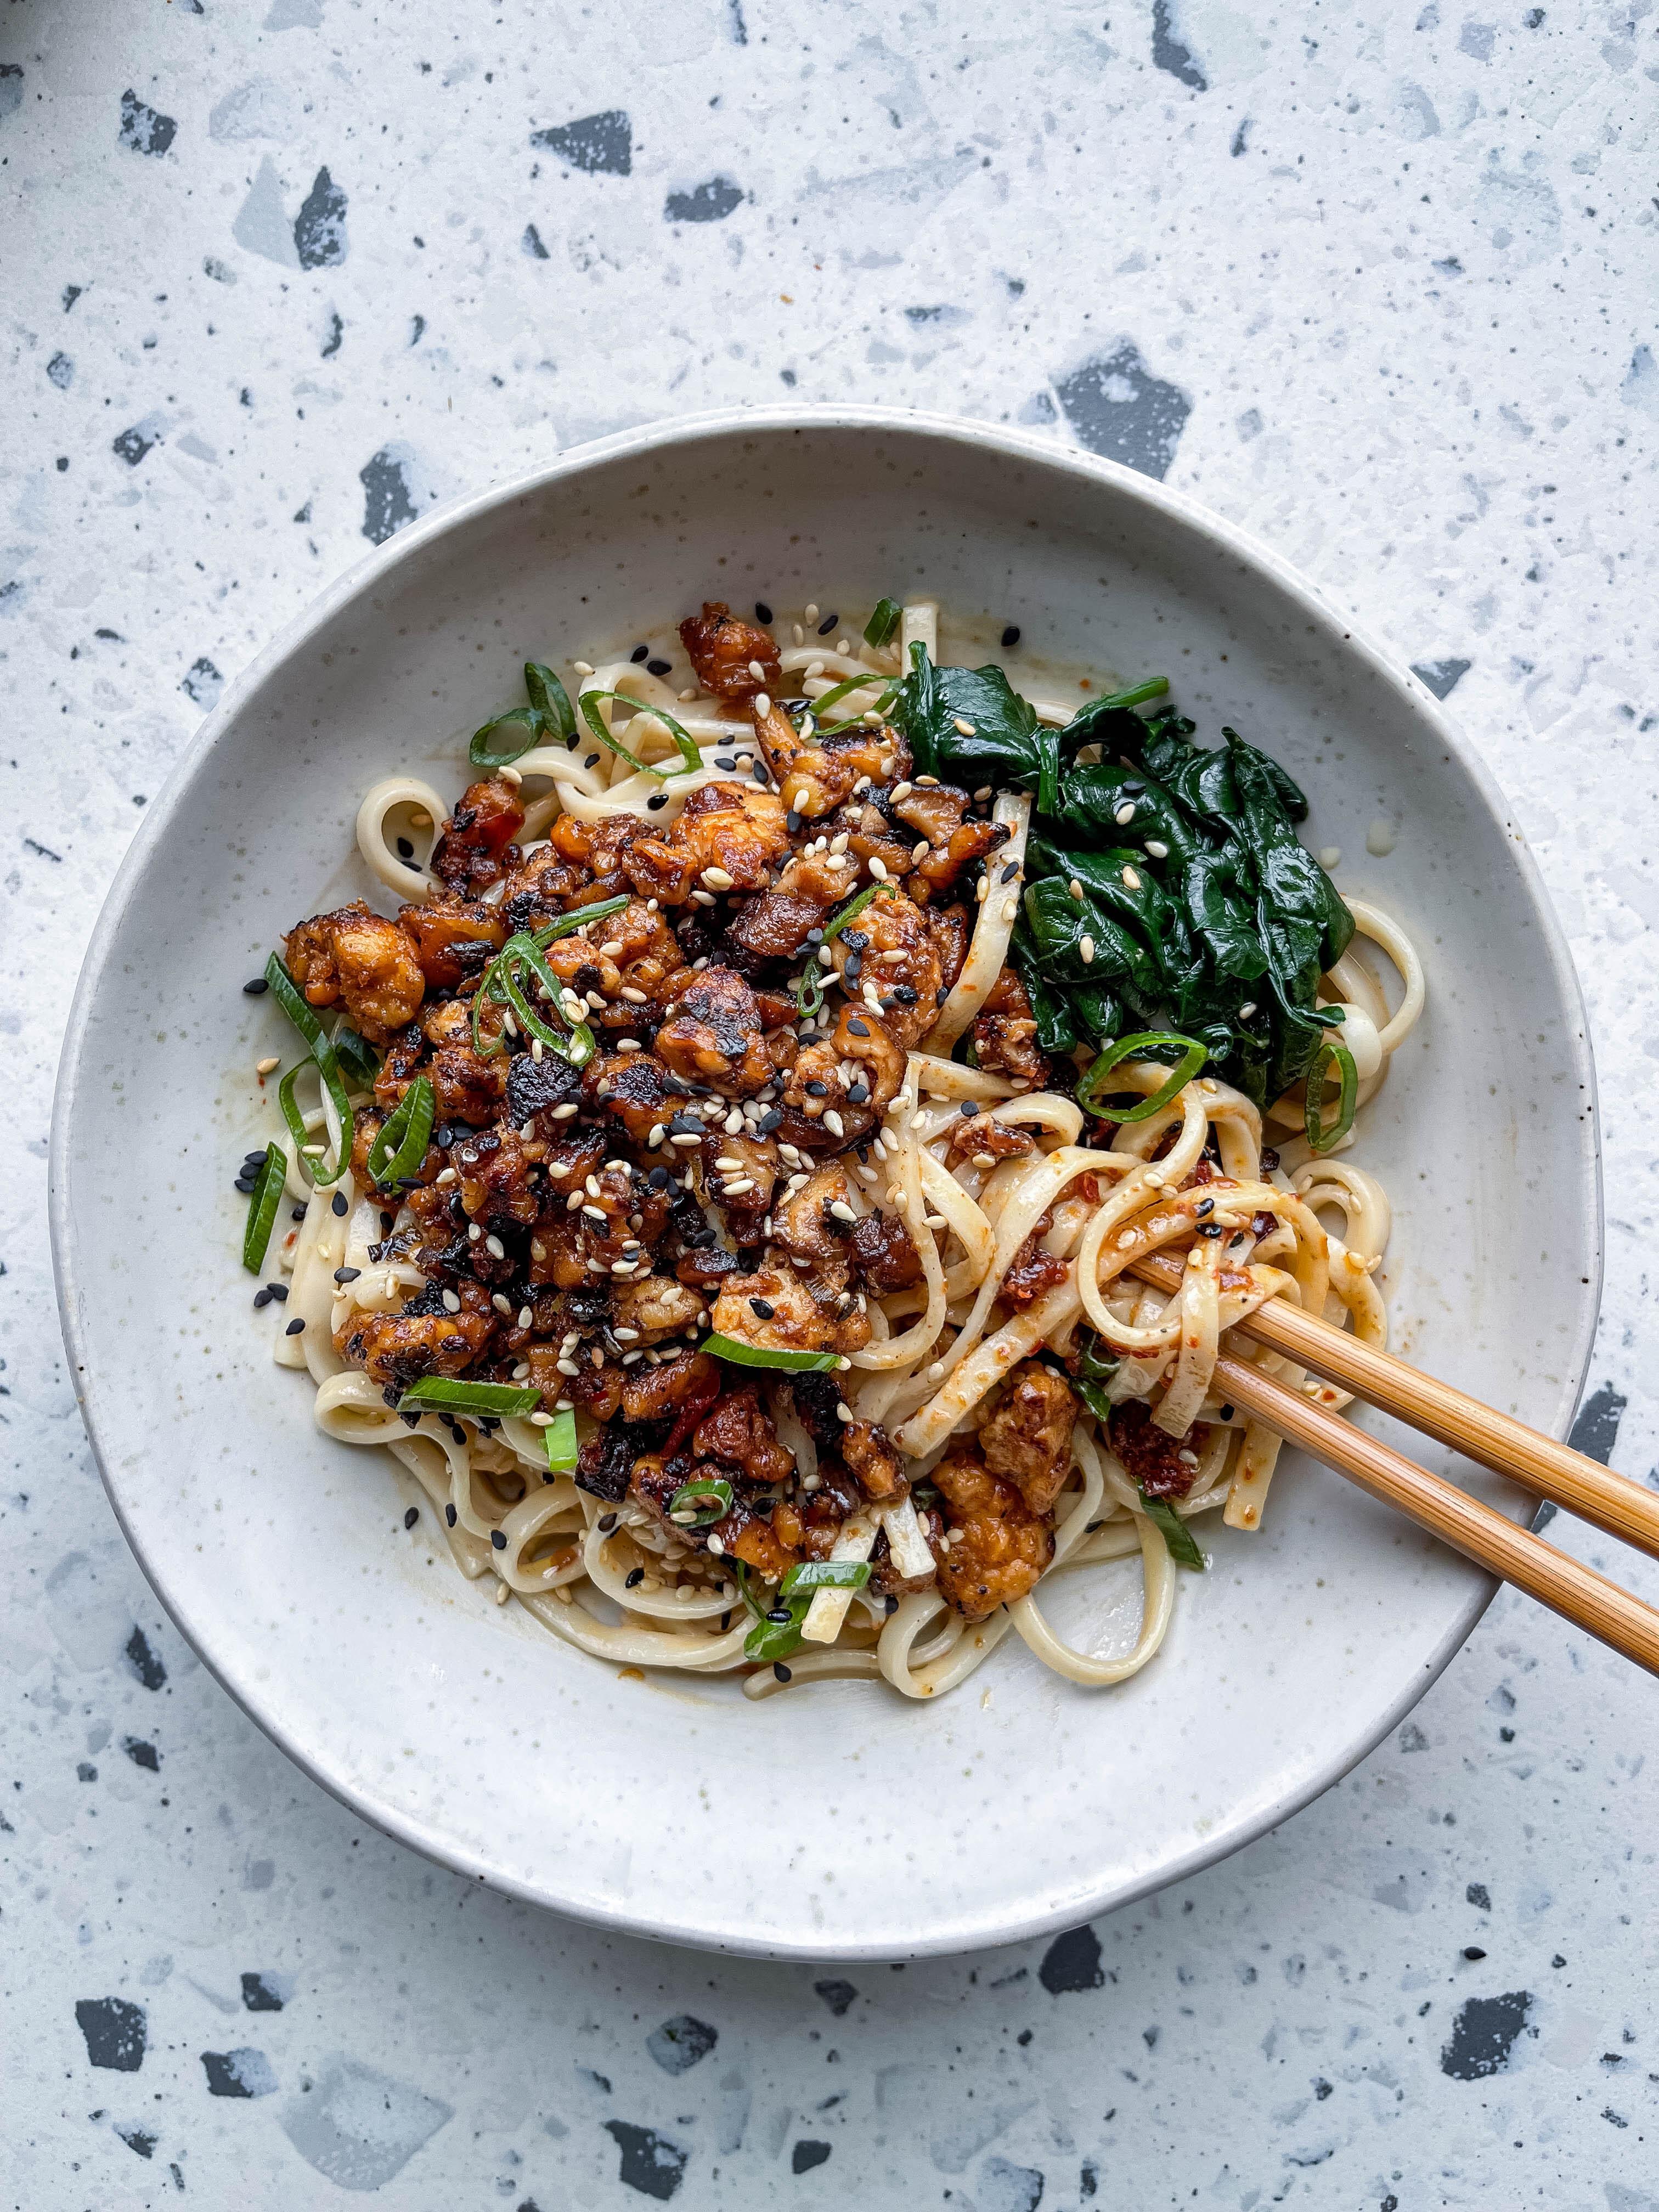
281,278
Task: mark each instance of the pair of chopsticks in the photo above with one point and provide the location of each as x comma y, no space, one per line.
1494,1440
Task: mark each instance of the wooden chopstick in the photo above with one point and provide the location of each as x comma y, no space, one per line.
1576,1592
1480,1432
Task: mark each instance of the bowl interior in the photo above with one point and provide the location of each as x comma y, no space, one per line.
841,1822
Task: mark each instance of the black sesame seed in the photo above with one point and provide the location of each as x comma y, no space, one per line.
769,1120
607,1522
295,1326
591,760
781,1614
968,1108
657,799
792,823
815,1089
828,624
261,1300
634,1577
255,1158
941,995
762,612
854,967
725,1622
449,1515
297,1214
854,941
1204,1207
1010,872
858,1094
347,1274
1011,635
904,994
1226,1412
498,1539
405,850
640,653
658,1178
856,1028
279,1291
726,765
761,775
814,937
245,1184
659,667
256,989
411,1516
338,1202
760,1306
781,1671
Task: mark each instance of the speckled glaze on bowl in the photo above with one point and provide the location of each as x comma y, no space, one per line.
842,1822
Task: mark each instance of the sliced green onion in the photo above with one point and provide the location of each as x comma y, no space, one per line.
1138,694
261,1207
878,631
737,1354
683,738
292,1001
1320,1137
357,1058
499,983
777,1639
562,1444
399,1147
825,1574
809,985
548,711
838,691
700,1503
448,1393
1094,1088
1183,1547
530,720
1093,1364
1093,1397
577,918
548,696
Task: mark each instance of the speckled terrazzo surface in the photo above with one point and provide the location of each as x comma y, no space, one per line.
278,277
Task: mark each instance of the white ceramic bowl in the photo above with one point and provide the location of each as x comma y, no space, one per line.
842,1821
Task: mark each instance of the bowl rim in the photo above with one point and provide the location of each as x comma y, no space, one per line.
1337,629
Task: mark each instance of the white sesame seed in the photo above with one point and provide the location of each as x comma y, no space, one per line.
728,1162
473,1232
452,1303
703,898
526,1317
690,692
542,1420
966,729
264,1067
582,667
1132,881
684,1137
757,671
762,700
980,888
565,1113
918,853
494,1246
842,1211
1075,887
812,614
738,1186
877,867
1247,1010
503,1305
629,1044
1126,813
1086,947
1010,908
567,1367
634,998
833,1122
1157,849
901,790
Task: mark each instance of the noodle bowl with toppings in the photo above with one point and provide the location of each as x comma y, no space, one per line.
721,1183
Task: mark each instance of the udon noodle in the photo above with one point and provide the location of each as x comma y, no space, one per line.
1240,1197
